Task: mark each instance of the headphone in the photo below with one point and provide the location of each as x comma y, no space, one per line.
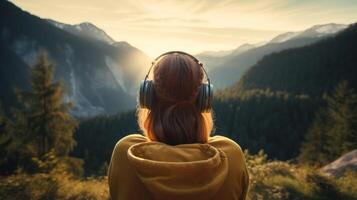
205,93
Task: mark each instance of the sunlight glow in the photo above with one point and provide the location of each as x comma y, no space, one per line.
155,26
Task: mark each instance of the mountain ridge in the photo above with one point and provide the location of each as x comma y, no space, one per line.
84,29
313,70
226,70
99,77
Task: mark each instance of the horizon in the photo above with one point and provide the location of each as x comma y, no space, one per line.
194,26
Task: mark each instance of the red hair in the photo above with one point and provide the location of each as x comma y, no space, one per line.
174,118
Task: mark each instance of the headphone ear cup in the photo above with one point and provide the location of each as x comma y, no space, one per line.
204,98
146,94
210,97
199,98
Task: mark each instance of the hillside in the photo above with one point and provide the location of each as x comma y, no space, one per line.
274,104
226,70
312,70
99,77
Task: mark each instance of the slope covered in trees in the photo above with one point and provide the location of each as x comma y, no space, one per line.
97,136
273,106
312,70
334,129
225,70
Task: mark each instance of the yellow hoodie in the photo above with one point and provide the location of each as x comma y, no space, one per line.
143,169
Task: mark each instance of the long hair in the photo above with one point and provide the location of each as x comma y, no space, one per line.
174,118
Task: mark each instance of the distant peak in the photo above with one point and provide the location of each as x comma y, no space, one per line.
327,28
88,24
85,29
318,30
122,44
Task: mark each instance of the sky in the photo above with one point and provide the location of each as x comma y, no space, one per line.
156,26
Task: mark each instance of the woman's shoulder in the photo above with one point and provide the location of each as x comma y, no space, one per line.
129,140
220,140
227,145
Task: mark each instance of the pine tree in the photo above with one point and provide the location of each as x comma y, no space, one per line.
334,130
342,112
314,150
45,123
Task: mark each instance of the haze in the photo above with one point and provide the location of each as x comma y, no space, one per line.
155,26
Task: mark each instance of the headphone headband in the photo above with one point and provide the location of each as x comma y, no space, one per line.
147,91
179,52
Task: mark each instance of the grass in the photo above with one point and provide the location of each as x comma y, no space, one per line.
52,186
276,180
270,180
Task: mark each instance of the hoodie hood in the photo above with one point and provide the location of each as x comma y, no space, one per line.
186,171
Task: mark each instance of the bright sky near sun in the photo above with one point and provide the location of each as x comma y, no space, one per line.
156,26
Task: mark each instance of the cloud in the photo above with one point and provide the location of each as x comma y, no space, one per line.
156,25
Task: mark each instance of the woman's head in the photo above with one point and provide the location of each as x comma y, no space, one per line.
174,118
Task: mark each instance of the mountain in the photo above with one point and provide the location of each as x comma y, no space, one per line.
212,59
85,29
275,103
214,53
315,31
100,77
133,63
313,69
228,69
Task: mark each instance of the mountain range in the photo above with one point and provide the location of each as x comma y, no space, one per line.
100,74
226,69
277,101
312,70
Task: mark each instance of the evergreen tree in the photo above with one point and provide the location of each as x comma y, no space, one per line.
334,130
45,123
314,150
342,113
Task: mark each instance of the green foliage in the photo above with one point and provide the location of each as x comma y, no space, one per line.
342,113
347,184
312,69
44,122
5,138
273,105
40,133
314,149
51,163
52,186
11,154
276,180
97,136
334,130
269,180
262,119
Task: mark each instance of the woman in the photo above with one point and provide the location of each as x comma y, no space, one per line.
176,158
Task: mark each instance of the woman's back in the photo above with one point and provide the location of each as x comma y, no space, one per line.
142,169
176,158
